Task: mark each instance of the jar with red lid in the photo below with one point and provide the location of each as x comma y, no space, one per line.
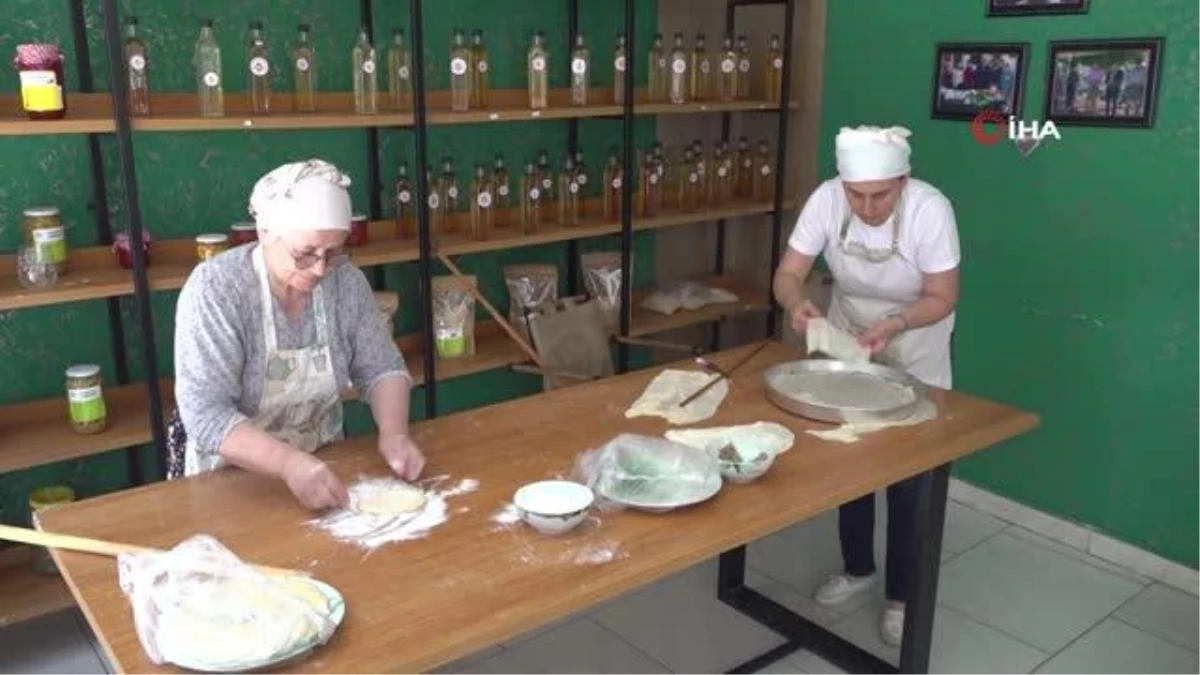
358,230
242,233
43,87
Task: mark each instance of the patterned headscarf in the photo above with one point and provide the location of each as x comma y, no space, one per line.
302,196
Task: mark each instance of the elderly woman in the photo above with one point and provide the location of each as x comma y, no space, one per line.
268,335
891,244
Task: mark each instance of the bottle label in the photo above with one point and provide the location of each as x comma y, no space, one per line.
302,64
482,66
534,193
616,183
405,197
368,67
653,178
546,184
578,66
705,66
727,66
485,200
778,63
620,63
50,245
458,66
259,66
766,170
679,66
211,79
502,190
451,342
137,63
574,187
744,65
722,172
582,179
434,201
539,64
693,178
86,405
747,163
403,72
41,91
452,193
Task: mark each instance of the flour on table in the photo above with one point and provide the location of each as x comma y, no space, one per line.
822,336
385,522
852,432
749,440
670,387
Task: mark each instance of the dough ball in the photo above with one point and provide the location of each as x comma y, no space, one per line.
392,501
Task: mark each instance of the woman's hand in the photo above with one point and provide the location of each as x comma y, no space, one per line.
801,314
880,334
402,454
313,482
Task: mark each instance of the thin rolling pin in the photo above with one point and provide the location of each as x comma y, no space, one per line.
727,374
111,549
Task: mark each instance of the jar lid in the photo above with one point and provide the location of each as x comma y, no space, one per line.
243,227
212,239
50,495
41,211
83,370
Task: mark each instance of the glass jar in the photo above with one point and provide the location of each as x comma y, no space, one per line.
358,230
242,233
121,247
32,274
85,395
45,234
39,500
208,246
43,92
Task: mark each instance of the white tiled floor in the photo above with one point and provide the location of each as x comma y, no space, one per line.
1009,601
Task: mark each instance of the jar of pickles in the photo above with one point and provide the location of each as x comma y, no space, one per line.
46,236
208,246
242,233
85,398
358,230
40,69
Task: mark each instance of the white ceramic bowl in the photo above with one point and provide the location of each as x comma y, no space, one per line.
744,471
553,506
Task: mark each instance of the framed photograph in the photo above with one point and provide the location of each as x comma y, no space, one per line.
1103,82
969,78
1035,7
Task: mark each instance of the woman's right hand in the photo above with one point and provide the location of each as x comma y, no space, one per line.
313,483
801,314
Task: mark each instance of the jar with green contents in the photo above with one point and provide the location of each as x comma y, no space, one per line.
85,394
45,234
39,500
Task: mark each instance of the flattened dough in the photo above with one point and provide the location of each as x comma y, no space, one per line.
852,432
822,336
392,501
664,394
749,440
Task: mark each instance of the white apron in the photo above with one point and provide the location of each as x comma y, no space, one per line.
301,400
866,290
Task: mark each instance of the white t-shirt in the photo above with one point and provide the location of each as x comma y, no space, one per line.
928,231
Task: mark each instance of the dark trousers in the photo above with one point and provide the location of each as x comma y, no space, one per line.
856,526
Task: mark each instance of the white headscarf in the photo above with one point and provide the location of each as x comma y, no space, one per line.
872,153
302,197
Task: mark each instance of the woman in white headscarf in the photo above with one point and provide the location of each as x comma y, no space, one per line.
268,335
891,244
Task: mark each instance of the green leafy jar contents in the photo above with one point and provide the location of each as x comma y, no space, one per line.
46,236
85,395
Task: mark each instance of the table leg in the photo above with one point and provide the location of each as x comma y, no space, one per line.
932,487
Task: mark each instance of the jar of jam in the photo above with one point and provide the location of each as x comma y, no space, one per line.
208,246
46,236
242,233
43,93
358,230
120,246
85,398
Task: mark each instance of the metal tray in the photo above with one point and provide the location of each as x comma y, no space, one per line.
840,414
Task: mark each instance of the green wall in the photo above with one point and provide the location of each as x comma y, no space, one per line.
200,182
1079,296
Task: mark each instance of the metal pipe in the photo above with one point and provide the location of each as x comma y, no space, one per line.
628,185
141,286
572,148
785,93
374,186
424,262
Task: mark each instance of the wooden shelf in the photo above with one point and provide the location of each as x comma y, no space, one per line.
38,433
86,114
25,594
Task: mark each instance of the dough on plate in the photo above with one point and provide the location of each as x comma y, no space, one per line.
670,387
390,502
822,336
749,440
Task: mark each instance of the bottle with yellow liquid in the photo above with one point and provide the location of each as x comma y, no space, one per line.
743,169
764,173
399,73
404,203
136,56
619,71
538,66
661,168
701,71
657,63
531,200
650,188
500,181
614,181
679,81
363,59
568,194
483,204
703,174
450,183
581,71
460,73
689,183
773,70
437,206
545,177
304,61
727,79
743,63
481,67
258,56
723,186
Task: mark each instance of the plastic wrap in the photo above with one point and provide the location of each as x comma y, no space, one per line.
690,295
200,607
647,472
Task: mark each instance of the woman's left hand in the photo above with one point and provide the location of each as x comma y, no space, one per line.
877,337
402,455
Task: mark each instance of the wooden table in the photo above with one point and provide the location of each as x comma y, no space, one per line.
470,583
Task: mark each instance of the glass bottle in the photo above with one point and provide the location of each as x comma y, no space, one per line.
404,203
680,81
581,66
723,190
657,63
500,180
136,69
743,62
743,169
581,179
701,71
661,168
399,73
460,73
481,67
619,71
651,187
773,70
531,200
727,80
482,204
538,62
689,183
613,180
258,55
304,61
568,194
763,173
363,59
545,176
703,175
207,60
450,183
437,205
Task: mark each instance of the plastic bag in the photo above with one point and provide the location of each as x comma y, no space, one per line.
690,295
647,472
199,606
453,317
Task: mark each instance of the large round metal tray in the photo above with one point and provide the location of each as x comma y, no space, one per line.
841,414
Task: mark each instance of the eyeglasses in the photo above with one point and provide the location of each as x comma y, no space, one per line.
860,250
333,258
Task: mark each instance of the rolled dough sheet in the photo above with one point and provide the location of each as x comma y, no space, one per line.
822,336
852,432
669,388
394,500
749,440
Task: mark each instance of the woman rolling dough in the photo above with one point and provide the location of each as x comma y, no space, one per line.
891,244
268,335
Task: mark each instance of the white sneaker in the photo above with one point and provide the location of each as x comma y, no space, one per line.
891,626
842,587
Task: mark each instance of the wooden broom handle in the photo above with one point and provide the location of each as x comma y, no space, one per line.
111,549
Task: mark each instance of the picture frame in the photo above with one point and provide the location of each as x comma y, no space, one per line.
971,77
1103,83
1004,8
